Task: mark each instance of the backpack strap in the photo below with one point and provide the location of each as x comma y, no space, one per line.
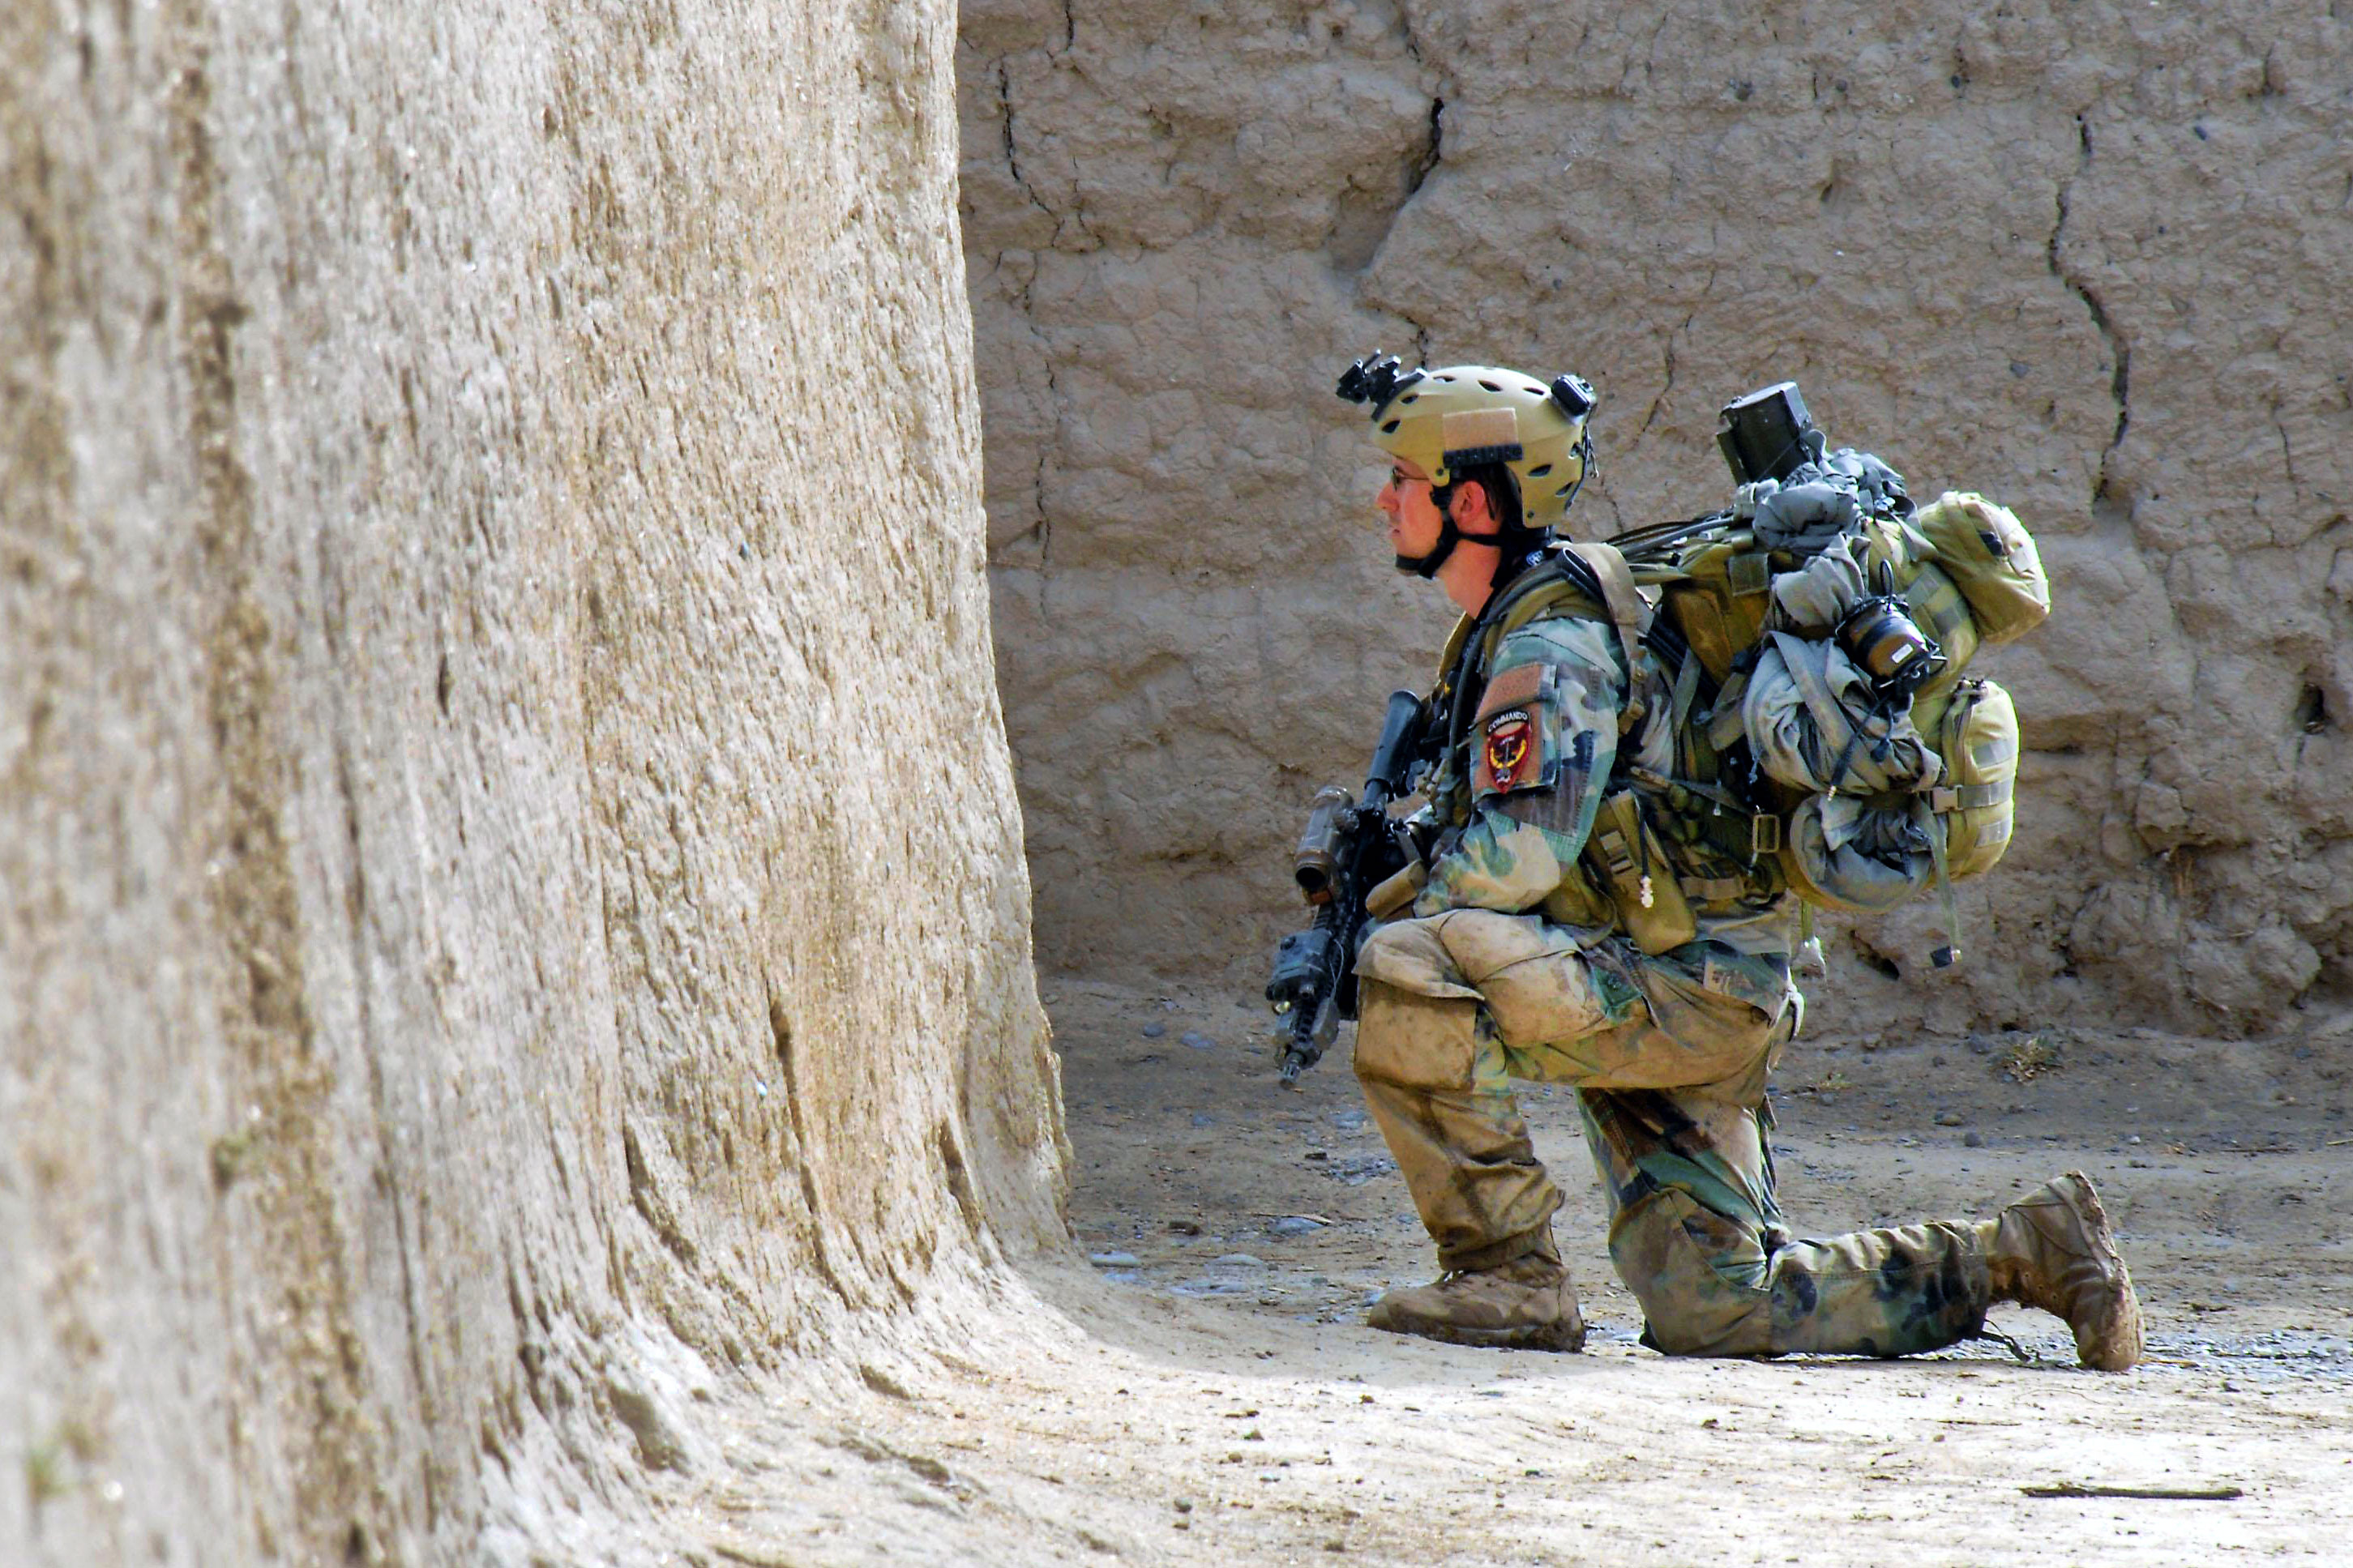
1967,797
1542,590
1935,828
1686,688
1628,612
1724,726
1627,607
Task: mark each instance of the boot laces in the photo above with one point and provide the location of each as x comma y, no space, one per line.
2025,1356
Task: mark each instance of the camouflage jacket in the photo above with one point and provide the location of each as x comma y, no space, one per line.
1532,735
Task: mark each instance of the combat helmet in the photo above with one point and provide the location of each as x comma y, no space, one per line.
1464,414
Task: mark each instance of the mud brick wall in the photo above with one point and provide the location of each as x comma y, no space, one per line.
511,904
2087,258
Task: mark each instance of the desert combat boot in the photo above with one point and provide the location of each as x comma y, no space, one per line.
1529,1304
2053,1249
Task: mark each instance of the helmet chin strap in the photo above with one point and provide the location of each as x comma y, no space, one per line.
1426,566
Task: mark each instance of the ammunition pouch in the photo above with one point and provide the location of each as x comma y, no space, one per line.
1624,855
1396,891
1992,561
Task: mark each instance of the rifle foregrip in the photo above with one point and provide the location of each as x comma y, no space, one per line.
1344,849
1401,735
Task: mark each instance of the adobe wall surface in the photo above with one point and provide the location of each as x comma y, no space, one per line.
513,910
2084,258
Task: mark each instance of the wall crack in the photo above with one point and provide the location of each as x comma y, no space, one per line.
2119,346
1012,149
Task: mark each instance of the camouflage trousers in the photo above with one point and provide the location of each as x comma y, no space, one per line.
1695,1230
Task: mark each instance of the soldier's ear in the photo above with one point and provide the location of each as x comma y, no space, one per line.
1471,504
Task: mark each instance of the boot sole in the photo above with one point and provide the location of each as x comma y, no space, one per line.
2120,1329
1563,1338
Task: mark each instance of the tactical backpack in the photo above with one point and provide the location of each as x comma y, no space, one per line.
1787,775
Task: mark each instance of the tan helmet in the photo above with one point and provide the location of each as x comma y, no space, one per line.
1468,414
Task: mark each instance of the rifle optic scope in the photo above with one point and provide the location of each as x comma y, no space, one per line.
1317,859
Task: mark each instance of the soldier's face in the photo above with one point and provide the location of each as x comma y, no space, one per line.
1414,521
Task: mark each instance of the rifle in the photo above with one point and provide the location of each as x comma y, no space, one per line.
1349,846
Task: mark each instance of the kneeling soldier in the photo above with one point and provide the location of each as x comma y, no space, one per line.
1512,960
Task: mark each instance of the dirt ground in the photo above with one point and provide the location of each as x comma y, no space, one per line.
1205,1392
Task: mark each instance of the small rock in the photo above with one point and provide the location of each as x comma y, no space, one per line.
1198,1040
1114,1259
1974,1141
1240,1260
2134,1139
1348,1120
1949,1119
1201,1118
662,1445
882,1381
1154,1031
1295,1224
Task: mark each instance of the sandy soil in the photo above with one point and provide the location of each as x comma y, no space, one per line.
1206,1392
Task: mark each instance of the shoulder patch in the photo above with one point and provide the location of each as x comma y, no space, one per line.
1511,753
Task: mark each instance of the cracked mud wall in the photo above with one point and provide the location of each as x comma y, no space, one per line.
2086,257
513,910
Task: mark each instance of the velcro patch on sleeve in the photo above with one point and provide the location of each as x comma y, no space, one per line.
1514,689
